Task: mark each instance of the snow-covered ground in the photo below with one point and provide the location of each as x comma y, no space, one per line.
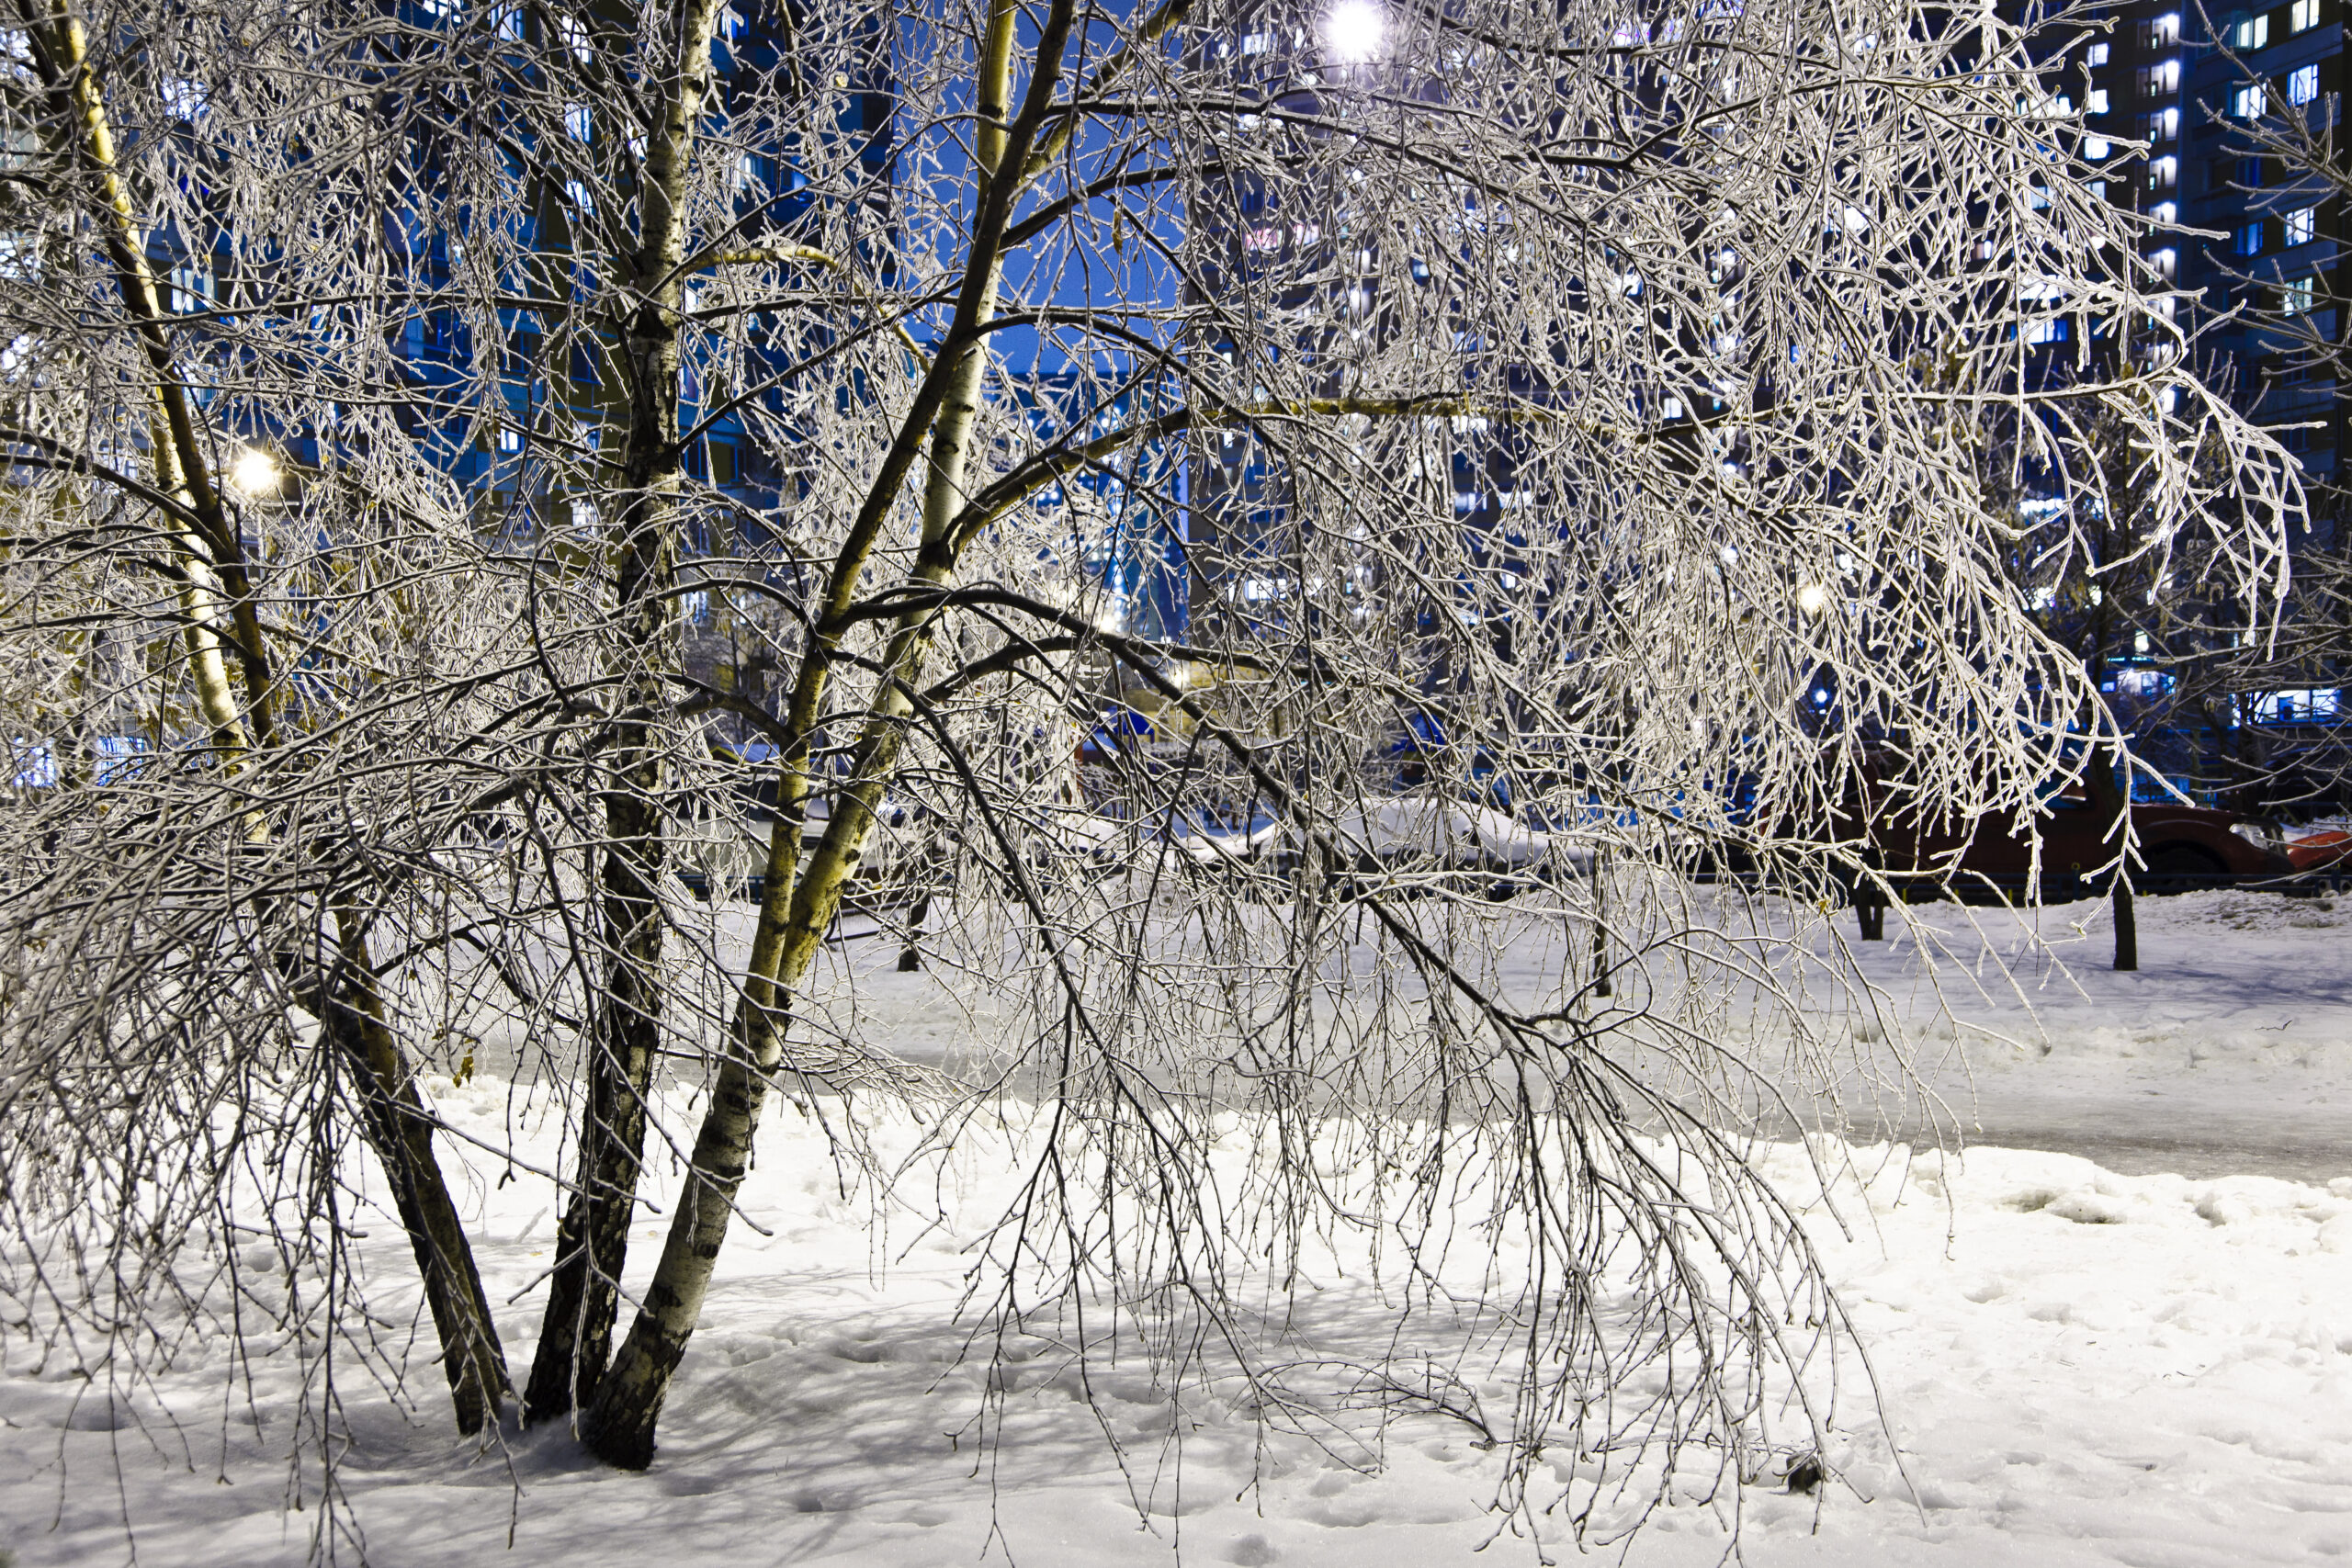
2229,1052
2077,1366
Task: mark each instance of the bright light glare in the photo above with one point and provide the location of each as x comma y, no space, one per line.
1812,599
254,472
1354,29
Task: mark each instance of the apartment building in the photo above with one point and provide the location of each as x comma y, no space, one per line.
2268,280
2168,96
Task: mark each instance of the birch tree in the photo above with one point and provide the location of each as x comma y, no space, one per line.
1551,428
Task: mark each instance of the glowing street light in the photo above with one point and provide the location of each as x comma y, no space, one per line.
1355,29
1813,599
254,472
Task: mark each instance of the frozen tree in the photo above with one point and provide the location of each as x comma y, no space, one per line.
1562,416
2090,558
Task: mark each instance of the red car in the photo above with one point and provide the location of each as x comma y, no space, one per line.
2180,848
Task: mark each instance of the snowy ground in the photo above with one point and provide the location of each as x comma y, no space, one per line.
2229,1052
2078,1366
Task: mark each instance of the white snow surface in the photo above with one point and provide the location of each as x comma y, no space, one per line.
2076,1366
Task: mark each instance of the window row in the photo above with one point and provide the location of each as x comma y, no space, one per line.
2246,33
2252,100
2297,228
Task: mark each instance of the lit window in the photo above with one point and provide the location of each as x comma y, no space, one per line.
191,290
185,97
2094,55
2302,85
2165,212
2302,15
2054,330
510,441
2250,240
2300,224
2252,32
2094,147
2096,102
2165,260
575,121
2295,298
2162,173
2245,102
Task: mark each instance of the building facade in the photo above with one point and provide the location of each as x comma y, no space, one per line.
2266,285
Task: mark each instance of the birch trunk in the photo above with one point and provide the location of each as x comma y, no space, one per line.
400,1127
629,1405
575,1339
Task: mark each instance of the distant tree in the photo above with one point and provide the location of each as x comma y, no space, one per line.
2107,576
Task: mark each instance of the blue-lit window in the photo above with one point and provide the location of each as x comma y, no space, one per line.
2250,240
2302,85
191,290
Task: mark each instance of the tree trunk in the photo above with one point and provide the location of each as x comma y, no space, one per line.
591,1242
1601,982
2115,804
400,1130
583,1303
628,1404
911,950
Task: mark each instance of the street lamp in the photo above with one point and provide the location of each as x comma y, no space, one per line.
254,472
1355,29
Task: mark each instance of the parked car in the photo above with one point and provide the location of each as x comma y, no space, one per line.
2180,848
